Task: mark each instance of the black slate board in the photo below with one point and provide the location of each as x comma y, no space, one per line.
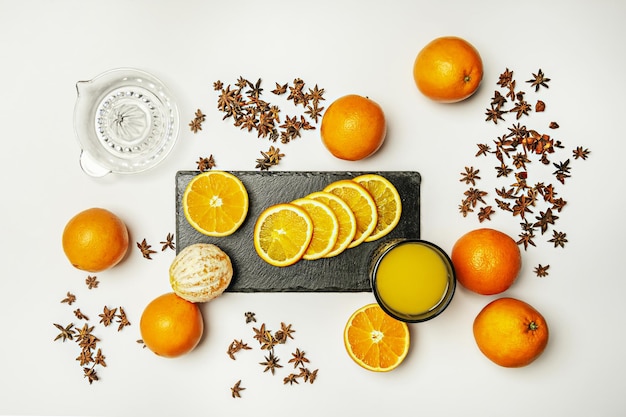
346,272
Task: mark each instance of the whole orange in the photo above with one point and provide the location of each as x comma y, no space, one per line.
510,332
448,69
486,261
171,326
95,239
353,127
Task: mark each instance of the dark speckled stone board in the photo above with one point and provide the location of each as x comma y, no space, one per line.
346,272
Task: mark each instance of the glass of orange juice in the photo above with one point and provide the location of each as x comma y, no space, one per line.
413,280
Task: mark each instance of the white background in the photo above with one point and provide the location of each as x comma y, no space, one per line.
363,47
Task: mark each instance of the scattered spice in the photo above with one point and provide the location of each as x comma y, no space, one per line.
243,103
269,341
250,317
69,299
196,122
90,355
542,271
79,315
92,282
168,243
145,249
107,316
270,158
205,164
236,389
516,151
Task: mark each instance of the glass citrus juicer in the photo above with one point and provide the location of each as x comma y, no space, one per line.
126,121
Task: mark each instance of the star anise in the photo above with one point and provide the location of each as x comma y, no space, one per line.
67,332
539,80
271,363
498,99
236,389
92,282
483,149
195,125
122,319
558,238
475,195
107,316
541,271
250,317
505,78
168,242
291,379
146,252
521,206
79,315
205,164
280,89
236,346
90,374
69,299
522,108
544,219
299,358
470,175
485,213
218,85
579,152
526,238
494,114
503,170
100,358
562,171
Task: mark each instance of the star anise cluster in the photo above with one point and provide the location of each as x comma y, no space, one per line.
243,103
269,341
534,202
90,356
270,158
147,251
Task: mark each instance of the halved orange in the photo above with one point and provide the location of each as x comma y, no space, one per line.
282,234
345,217
362,205
388,203
215,203
375,340
325,227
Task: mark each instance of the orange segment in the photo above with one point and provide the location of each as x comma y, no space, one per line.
388,203
362,205
375,340
325,227
282,234
345,218
215,203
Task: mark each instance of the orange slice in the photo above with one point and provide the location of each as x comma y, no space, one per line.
325,227
388,203
375,340
362,205
345,218
282,234
215,203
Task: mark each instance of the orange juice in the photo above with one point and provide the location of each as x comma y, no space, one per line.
412,279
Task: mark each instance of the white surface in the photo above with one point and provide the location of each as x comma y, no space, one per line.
362,47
